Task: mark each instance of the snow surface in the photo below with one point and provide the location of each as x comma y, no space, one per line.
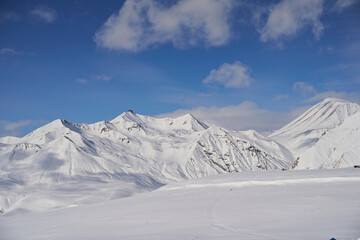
325,136
312,204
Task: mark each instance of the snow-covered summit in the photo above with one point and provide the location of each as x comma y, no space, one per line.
186,122
327,114
128,116
308,136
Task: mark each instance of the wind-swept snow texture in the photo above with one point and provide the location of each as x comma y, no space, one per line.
312,204
132,152
325,136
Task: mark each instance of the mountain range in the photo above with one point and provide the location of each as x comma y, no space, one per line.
134,153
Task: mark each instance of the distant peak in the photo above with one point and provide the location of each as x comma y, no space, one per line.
186,116
61,122
191,118
327,114
128,113
189,115
330,99
129,116
56,123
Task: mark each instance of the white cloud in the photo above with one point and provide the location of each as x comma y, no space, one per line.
15,128
8,16
352,97
304,88
341,4
6,51
325,49
103,78
234,75
244,116
81,80
280,97
143,24
288,17
308,90
9,126
44,13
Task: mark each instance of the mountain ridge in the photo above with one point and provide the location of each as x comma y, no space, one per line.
138,152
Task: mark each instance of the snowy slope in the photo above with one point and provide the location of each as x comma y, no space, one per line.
339,147
136,152
325,136
315,204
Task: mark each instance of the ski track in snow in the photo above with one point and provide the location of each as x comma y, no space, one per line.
218,224
215,221
234,186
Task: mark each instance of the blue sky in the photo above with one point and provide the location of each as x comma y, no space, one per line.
239,64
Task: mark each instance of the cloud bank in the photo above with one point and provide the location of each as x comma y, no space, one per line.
244,116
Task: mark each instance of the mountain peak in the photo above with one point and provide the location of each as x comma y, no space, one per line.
187,116
333,100
190,119
325,115
305,131
128,116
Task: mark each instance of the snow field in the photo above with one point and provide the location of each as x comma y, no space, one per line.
317,204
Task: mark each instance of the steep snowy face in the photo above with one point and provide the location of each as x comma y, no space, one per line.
140,151
327,114
338,147
230,151
306,136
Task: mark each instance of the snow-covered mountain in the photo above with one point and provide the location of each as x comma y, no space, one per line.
134,151
325,136
65,164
